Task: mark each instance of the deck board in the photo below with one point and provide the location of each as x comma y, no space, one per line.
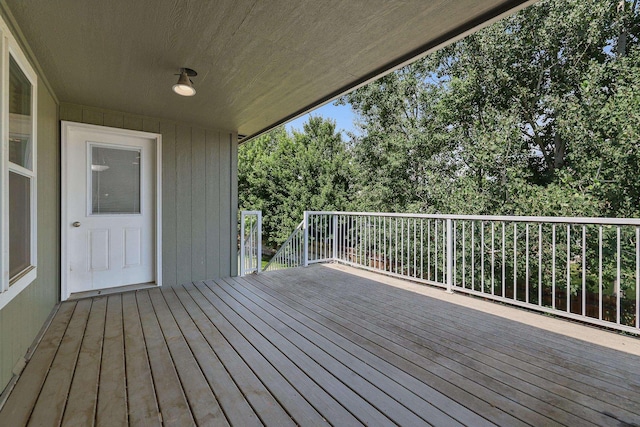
141,395
474,366
53,396
83,395
324,345
112,391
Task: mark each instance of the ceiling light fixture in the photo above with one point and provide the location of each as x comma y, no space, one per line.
184,86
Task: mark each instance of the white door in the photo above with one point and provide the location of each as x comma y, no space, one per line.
110,198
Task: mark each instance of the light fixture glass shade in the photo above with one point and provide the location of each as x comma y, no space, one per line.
184,86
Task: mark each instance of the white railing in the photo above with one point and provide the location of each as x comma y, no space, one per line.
586,269
250,242
290,253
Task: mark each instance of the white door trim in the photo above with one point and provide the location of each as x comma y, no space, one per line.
66,128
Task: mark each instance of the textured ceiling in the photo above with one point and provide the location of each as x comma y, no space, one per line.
259,63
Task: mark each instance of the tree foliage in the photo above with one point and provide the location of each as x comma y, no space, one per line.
536,114
285,174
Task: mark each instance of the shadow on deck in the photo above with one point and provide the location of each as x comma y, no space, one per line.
321,345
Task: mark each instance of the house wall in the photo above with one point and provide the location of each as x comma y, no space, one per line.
24,316
199,208
199,195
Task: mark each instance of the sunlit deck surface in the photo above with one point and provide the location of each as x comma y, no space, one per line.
321,345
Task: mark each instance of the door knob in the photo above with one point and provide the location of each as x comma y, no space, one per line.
76,224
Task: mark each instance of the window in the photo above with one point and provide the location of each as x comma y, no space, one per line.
18,169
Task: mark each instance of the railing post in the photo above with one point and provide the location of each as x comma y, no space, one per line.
259,248
334,256
242,252
449,256
305,228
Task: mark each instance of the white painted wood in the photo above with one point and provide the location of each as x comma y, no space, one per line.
9,48
108,250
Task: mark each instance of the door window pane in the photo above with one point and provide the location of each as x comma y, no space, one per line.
115,181
19,223
20,117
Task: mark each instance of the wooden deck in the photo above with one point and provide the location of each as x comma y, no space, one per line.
325,345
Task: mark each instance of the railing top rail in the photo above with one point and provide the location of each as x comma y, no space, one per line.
523,219
251,212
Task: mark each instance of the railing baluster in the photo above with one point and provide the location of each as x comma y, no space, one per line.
584,271
540,264
428,249
414,248
618,276
473,255
515,261
422,249
464,257
568,268
482,256
637,277
493,258
526,275
435,263
553,266
504,263
600,272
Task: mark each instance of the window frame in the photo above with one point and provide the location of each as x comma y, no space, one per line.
9,48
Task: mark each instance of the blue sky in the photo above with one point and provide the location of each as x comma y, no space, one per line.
342,114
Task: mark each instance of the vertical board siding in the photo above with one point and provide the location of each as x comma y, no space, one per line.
198,203
212,195
199,193
22,318
183,201
223,211
169,218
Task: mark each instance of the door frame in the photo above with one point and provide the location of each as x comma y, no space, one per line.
66,128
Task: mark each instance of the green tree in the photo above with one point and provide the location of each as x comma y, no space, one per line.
283,175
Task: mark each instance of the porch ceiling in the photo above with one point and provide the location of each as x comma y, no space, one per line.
259,63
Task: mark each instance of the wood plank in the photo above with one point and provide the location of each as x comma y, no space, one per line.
53,396
171,399
141,395
435,372
593,394
233,403
520,339
183,202
260,398
202,401
112,393
371,367
365,401
19,405
561,347
279,381
82,401
198,203
577,405
212,196
443,394
169,208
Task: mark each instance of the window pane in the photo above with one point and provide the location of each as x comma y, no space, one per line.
115,181
20,117
19,223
